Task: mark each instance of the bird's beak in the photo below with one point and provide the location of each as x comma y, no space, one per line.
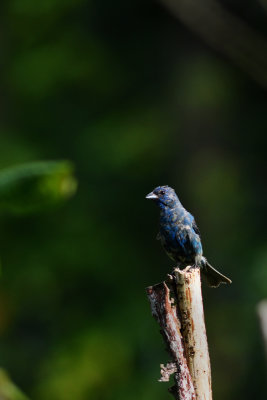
151,196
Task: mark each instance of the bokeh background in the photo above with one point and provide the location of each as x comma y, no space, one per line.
135,94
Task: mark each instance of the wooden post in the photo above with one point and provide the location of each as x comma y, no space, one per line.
194,331
178,308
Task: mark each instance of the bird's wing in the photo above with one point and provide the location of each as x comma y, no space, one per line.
195,227
188,242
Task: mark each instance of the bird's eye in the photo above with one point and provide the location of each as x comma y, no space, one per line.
162,192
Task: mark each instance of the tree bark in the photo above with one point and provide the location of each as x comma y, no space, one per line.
163,309
177,306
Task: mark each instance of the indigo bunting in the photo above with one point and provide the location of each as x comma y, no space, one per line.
180,236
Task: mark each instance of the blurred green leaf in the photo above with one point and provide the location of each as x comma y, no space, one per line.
35,186
8,390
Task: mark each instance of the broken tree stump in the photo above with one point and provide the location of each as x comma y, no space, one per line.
178,308
164,310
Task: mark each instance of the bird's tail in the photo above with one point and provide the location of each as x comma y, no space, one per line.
212,277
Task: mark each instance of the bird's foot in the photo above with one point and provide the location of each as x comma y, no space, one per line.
194,266
187,269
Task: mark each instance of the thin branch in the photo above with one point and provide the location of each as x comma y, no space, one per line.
226,33
262,314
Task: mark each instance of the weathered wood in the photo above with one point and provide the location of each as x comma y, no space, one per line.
190,306
177,306
164,310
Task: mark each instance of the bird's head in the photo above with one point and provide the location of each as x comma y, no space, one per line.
163,196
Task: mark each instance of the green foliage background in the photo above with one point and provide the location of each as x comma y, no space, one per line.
134,100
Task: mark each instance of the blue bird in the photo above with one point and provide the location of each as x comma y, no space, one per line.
180,236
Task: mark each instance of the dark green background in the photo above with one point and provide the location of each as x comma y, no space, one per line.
134,99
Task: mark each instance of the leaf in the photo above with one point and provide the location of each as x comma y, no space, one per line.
8,390
36,186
